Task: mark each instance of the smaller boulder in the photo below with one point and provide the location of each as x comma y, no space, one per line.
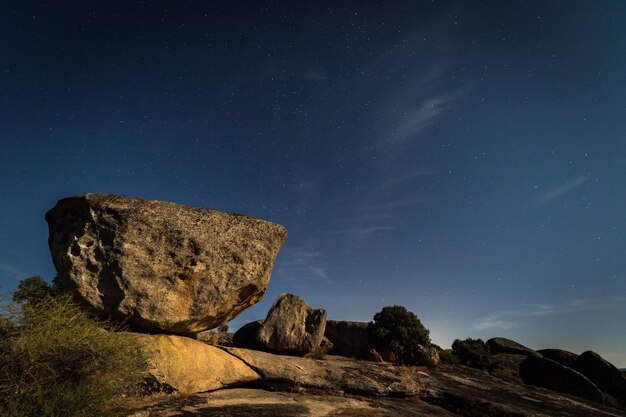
498,345
602,373
292,327
350,339
561,356
546,373
428,356
245,337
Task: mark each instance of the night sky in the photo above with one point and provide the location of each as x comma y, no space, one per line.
464,159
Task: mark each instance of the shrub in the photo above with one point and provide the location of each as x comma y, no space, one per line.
397,332
59,362
472,352
446,356
31,290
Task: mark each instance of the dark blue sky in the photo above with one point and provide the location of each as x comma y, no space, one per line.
464,159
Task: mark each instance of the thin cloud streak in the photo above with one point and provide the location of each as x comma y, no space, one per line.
418,118
363,231
389,205
7,269
404,178
511,319
558,191
304,261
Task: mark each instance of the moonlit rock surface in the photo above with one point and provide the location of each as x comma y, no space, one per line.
162,266
291,326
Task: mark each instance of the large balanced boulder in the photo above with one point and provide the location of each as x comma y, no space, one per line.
189,366
606,376
292,327
161,266
498,345
546,373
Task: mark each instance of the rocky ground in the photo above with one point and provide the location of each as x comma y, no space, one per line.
316,388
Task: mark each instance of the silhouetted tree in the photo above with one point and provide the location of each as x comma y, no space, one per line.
398,332
31,290
472,352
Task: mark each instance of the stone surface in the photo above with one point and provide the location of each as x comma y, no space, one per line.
499,345
245,337
506,367
448,391
243,402
552,375
333,374
561,356
190,366
291,326
427,355
471,392
602,373
162,266
350,339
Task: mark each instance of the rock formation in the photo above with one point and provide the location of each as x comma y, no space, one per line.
602,373
162,266
499,345
245,337
334,374
291,326
350,338
561,356
188,366
552,375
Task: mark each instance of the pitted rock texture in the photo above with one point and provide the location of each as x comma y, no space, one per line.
291,326
162,266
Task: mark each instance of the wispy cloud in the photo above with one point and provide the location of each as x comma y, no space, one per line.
375,217
363,231
419,112
557,191
406,177
511,319
10,270
304,260
387,206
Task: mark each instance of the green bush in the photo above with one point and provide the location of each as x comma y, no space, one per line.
472,352
446,356
56,361
397,332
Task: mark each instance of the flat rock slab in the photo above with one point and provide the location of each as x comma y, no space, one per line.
189,366
333,374
161,266
243,402
471,392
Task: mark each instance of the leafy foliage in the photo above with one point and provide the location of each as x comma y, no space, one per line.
472,352
397,332
57,361
31,290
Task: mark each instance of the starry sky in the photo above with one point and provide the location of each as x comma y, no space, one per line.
465,159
